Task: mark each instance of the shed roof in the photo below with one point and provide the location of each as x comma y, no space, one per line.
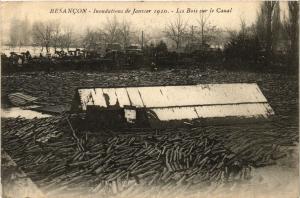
255,110
172,96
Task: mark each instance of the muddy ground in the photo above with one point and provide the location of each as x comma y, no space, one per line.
267,147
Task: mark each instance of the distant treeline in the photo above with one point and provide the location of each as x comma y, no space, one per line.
270,37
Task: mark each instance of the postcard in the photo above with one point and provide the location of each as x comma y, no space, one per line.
150,99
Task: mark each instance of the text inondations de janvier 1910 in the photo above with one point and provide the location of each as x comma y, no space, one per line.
137,11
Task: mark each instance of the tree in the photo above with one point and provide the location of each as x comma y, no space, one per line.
267,26
243,45
270,5
125,33
92,38
261,25
25,30
141,37
66,38
204,27
43,34
56,37
19,32
291,28
176,31
243,29
276,27
14,32
111,30
161,48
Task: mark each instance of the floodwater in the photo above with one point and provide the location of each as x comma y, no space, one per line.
15,112
34,51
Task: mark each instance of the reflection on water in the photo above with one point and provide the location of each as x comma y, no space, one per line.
15,112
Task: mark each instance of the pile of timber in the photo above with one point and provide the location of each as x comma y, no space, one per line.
56,157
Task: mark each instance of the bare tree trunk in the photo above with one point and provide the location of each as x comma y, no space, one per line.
202,35
294,21
269,36
176,31
203,23
47,48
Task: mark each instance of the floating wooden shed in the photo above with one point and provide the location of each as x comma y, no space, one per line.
159,106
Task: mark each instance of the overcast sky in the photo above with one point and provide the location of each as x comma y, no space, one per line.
149,22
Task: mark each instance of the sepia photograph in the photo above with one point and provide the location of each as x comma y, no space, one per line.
149,99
